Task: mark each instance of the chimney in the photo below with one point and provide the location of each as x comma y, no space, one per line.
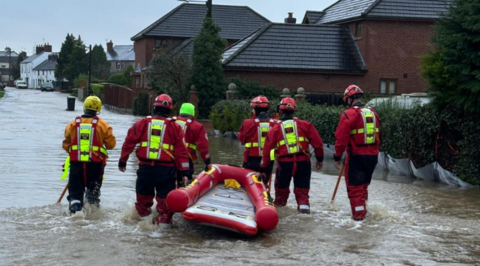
23,54
290,19
53,57
110,46
47,48
39,49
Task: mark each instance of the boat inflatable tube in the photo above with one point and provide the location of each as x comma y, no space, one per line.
226,207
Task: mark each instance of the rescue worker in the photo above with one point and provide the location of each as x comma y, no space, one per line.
196,138
288,142
358,135
253,132
161,151
87,139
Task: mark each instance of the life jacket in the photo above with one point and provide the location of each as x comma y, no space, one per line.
291,144
262,131
367,133
154,146
85,146
185,125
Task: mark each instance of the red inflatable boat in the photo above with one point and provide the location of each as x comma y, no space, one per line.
226,197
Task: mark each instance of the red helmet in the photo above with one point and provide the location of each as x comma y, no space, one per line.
352,90
260,101
163,100
288,104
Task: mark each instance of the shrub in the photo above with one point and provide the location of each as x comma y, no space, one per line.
248,89
140,104
119,79
423,134
97,89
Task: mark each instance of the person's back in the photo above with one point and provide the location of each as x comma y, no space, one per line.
253,131
196,137
161,153
87,139
358,133
288,143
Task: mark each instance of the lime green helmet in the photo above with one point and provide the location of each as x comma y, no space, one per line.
187,109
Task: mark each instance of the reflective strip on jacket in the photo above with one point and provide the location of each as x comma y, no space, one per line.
85,146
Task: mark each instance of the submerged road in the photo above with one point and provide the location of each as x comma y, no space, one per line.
411,222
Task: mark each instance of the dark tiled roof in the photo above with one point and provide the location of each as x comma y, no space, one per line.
46,65
312,16
185,47
325,48
186,20
410,9
121,53
344,10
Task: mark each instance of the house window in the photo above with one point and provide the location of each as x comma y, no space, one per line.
358,29
388,86
137,82
3,66
159,43
118,66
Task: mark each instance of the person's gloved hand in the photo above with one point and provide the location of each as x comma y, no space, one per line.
208,167
122,166
337,164
319,165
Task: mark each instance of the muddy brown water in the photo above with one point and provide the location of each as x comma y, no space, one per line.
411,222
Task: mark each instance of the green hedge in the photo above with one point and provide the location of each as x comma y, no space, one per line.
140,104
406,133
97,89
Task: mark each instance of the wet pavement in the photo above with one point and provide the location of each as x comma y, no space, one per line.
411,222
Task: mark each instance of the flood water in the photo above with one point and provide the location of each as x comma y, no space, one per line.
411,222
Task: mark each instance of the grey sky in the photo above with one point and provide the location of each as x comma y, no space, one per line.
26,23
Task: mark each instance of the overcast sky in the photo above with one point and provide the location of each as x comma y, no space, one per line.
26,23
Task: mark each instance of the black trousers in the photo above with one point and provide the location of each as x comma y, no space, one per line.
157,178
252,163
301,177
85,175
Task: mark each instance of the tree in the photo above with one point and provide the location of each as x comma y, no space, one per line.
207,74
100,64
170,72
64,57
78,63
16,67
124,79
453,68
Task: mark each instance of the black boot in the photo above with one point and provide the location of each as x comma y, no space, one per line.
75,206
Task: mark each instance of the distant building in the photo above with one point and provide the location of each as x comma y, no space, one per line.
45,71
375,44
120,57
183,23
28,65
5,68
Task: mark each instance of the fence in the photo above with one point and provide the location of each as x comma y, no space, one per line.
119,98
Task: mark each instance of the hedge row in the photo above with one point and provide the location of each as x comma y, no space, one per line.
423,134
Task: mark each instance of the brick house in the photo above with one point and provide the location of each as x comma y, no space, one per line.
182,24
375,44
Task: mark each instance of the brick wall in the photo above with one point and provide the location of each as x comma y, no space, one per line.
390,49
143,51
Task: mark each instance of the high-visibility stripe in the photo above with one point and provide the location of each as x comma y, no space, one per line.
251,144
95,148
165,146
185,165
191,146
304,207
359,208
272,155
361,131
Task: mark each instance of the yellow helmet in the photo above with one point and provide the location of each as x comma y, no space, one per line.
92,103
